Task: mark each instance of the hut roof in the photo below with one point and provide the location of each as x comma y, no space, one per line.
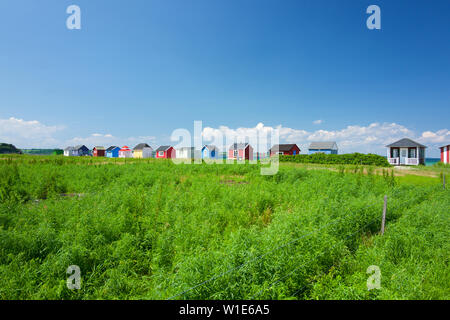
405,143
237,146
210,147
323,145
283,147
163,148
141,146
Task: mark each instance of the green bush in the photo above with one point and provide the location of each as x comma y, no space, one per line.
441,165
350,158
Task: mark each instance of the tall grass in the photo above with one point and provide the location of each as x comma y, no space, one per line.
155,230
412,256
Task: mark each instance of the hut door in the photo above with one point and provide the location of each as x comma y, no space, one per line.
403,155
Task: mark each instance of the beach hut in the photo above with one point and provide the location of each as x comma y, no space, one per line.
327,147
82,150
284,149
210,151
125,152
112,152
165,152
445,154
142,150
406,152
240,151
70,152
186,153
99,152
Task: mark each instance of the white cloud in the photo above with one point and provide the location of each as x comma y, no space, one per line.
441,137
33,134
317,121
355,138
28,134
224,136
95,139
106,140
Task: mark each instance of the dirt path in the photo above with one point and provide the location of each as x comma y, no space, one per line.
398,171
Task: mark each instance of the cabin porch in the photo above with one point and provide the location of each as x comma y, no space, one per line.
411,156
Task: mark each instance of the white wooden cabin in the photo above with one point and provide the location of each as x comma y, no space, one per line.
70,152
188,153
406,152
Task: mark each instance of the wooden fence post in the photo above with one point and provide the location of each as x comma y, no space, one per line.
383,220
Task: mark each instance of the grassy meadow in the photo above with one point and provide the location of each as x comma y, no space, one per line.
150,229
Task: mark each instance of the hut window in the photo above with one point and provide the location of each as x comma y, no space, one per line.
394,153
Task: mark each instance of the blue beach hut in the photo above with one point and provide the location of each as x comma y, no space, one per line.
210,151
327,147
112,152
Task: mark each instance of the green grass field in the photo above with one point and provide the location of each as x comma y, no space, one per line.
150,229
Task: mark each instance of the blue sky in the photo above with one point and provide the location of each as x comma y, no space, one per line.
139,69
